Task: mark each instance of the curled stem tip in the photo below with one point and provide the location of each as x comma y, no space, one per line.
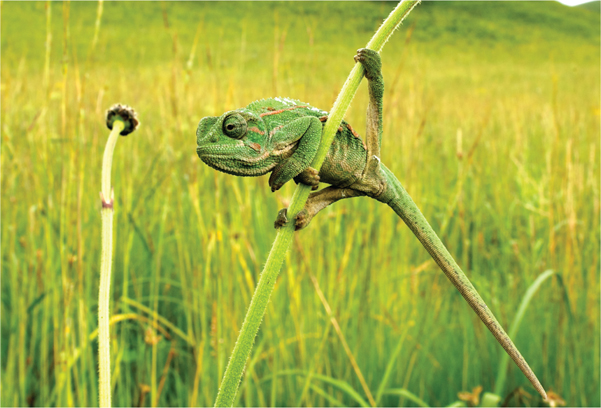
124,113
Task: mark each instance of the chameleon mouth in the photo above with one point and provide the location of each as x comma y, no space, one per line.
245,155
239,161
242,160
238,153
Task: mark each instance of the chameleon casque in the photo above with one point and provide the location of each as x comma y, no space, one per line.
282,135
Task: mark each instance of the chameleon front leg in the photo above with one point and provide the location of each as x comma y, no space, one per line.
305,131
317,201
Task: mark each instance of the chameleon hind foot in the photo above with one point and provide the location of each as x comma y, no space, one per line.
301,220
318,201
371,61
281,219
308,176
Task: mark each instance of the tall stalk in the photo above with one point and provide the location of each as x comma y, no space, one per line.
122,121
258,304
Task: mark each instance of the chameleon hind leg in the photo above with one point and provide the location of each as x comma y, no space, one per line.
317,201
372,182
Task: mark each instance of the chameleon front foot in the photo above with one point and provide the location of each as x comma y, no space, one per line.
308,176
301,220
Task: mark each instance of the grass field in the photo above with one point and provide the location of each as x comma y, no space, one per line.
491,122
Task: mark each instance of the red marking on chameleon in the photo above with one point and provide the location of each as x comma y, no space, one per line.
323,118
340,128
352,130
275,129
255,146
280,111
256,130
269,108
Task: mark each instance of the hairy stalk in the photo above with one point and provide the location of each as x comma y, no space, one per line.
258,304
122,121
104,352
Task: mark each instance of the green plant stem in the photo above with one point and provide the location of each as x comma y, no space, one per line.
258,304
104,352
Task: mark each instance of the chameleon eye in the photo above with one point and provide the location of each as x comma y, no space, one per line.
234,126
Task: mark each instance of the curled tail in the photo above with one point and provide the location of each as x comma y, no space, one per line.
400,201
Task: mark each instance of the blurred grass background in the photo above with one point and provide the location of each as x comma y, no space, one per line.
491,121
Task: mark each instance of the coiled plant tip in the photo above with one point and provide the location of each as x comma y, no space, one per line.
125,114
122,120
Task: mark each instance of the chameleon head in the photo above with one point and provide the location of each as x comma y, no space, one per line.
234,143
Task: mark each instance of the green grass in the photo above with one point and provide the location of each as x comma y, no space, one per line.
491,123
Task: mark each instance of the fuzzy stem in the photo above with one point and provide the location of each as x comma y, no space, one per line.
258,304
104,354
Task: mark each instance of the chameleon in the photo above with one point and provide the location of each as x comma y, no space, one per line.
281,136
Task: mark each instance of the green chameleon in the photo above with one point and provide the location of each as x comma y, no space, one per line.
281,136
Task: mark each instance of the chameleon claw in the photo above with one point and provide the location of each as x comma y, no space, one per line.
370,60
301,220
281,219
309,176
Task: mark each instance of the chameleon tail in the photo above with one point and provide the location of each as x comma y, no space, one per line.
400,201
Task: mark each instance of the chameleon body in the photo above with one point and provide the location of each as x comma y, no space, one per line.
281,136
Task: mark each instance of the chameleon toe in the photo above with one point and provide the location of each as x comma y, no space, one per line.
370,60
281,219
301,220
309,176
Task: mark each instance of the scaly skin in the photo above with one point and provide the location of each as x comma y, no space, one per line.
281,136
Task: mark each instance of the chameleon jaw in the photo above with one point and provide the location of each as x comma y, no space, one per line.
228,160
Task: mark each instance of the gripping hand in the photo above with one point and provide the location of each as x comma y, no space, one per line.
305,133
